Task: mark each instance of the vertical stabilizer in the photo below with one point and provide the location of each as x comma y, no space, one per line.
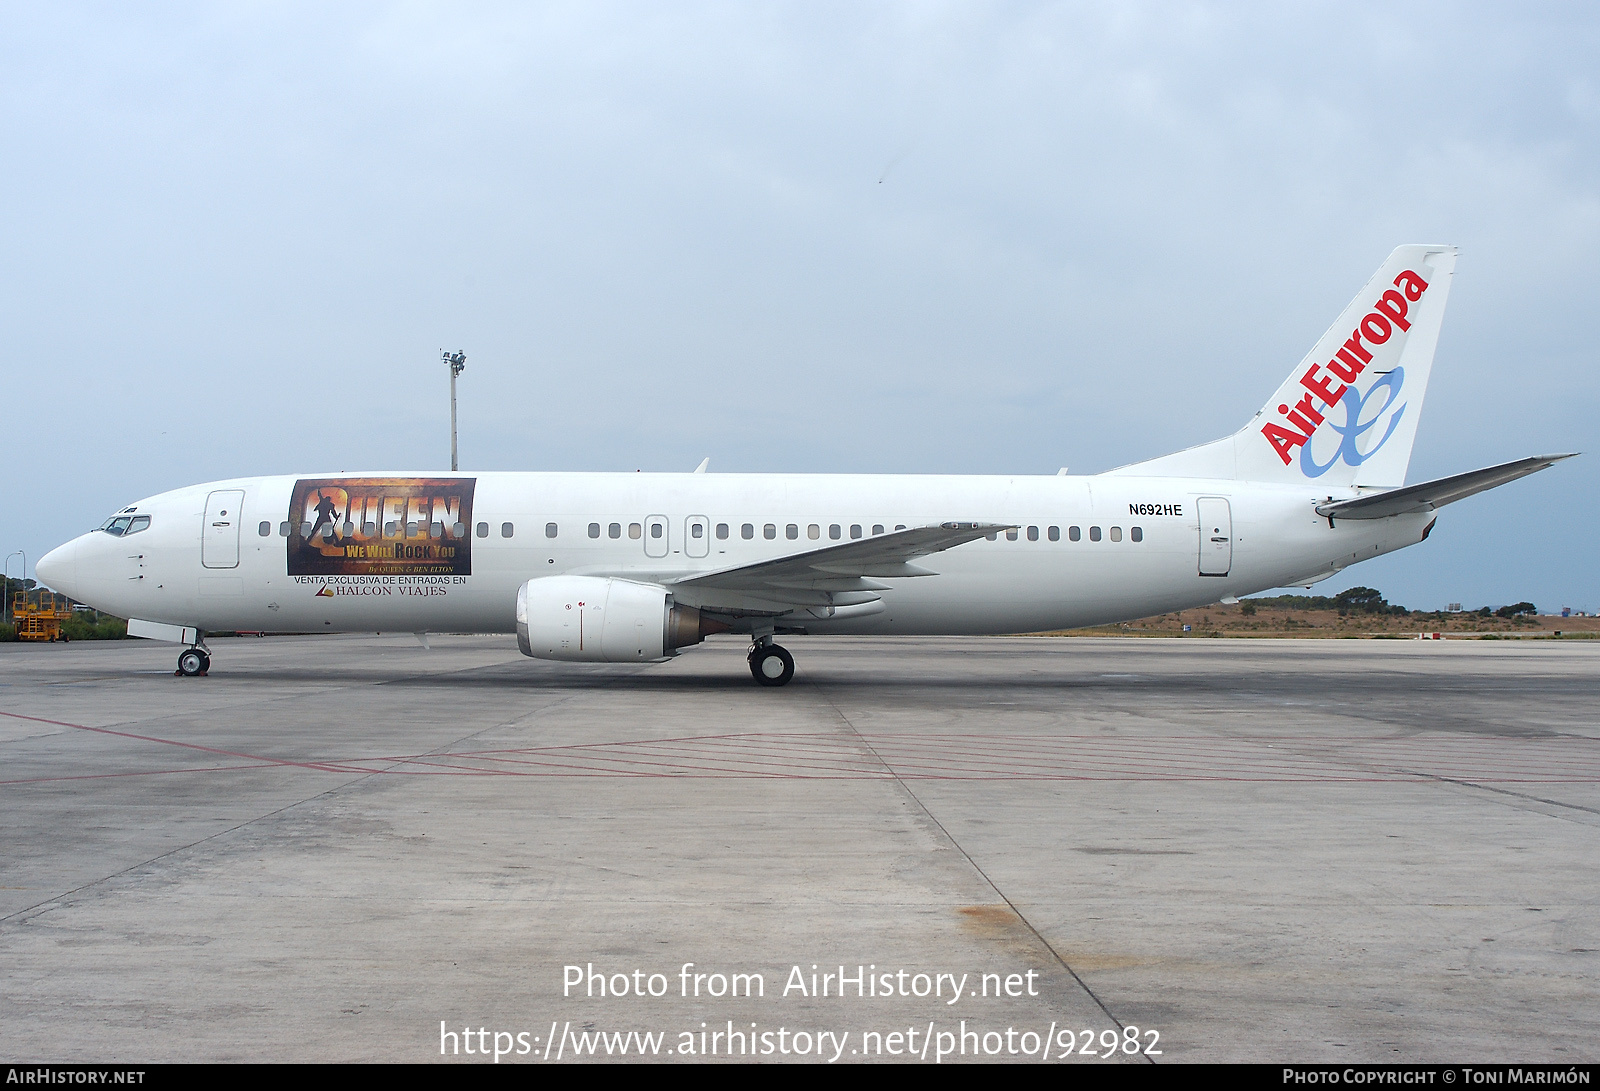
1347,414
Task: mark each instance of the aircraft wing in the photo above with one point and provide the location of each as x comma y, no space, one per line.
1415,499
851,566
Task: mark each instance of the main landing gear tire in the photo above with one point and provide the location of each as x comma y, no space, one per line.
771,665
192,662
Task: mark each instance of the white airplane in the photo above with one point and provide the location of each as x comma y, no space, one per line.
618,567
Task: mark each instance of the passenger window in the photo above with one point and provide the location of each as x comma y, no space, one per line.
722,532
594,530
655,530
1074,534
834,532
1054,534
457,530
507,530
813,532
635,530
992,537
697,530
483,530
877,528
435,530
391,529
900,526
1116,534
1011,535
614,530
1136,533
549,530
770,531
411,530
791,532
283,529
265,529
1033,534
748,531
1094,534
369,529
855,530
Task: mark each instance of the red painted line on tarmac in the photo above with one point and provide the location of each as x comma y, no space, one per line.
956,757
143,773
322,768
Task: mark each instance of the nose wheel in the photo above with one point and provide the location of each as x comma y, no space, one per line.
771,665
192,662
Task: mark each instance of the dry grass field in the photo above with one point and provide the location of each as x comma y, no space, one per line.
1270,621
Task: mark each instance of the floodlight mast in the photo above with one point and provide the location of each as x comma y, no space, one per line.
5,607
458,363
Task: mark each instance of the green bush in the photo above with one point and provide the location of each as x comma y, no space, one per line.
93,625
1355,600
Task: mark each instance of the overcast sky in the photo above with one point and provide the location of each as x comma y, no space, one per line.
920,237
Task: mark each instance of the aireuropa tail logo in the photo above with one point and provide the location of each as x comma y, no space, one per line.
1363,412
1360,422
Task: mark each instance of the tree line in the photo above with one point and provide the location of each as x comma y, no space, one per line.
1367,600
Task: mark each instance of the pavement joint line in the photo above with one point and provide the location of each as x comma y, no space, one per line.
1380,767
54,901
1508,792
923,807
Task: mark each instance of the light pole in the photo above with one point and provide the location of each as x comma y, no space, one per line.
458,363
5,608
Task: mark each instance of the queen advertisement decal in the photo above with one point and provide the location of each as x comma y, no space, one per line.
381,526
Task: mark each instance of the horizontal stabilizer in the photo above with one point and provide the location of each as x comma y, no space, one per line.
1416,499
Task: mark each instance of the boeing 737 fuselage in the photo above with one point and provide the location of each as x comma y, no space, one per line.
633,567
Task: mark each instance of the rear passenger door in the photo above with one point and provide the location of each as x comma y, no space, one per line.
1216,536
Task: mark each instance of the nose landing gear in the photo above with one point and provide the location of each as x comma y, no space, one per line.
771,665
193,662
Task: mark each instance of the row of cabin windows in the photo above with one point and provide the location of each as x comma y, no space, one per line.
1074,534
747,531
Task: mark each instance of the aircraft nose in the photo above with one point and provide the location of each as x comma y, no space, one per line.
58,569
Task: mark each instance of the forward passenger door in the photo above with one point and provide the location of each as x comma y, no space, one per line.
219,537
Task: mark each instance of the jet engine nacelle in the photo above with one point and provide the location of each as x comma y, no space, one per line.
599,620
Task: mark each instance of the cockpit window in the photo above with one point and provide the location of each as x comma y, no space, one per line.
122,524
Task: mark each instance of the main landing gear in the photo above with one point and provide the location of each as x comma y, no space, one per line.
193,662
769,664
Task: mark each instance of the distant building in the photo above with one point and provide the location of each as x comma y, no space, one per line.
1454,608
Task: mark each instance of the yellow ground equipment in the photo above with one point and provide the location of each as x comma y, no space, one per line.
38,614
